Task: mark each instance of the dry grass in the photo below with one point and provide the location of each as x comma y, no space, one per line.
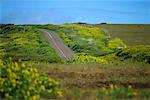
131,34
87,79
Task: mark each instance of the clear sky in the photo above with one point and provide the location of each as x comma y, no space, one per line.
67,11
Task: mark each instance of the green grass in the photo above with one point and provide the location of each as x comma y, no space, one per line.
131,34
28,46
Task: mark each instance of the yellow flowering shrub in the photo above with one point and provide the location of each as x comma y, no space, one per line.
114,92
116,43
2,53
20,82
23,39
139,53
87,31
2,50
92,32
84,59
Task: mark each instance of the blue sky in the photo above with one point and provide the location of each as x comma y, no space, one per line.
67,11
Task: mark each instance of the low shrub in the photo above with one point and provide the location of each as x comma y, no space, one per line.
18,81
139,53
113,92
11,28
84,59
116,44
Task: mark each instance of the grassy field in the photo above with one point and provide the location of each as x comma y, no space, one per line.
82,82
131,34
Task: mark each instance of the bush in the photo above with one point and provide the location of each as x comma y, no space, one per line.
113,92
18,81
84,59
139,53
11,28
116,44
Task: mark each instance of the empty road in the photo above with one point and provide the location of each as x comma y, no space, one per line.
62,50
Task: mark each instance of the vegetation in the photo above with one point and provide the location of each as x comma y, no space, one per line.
18,81
104,67
82,39
139,53
130,34
116,44
85,59
85,81
96,45
114,92
11,28
28,46
91,41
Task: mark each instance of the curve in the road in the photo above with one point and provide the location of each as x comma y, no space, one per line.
62,50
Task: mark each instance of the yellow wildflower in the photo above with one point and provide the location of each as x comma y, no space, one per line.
103,89
59,93
6,94
115,86
42,87
111,87
1,81
129,86
33,98
28,93
50,90
135,93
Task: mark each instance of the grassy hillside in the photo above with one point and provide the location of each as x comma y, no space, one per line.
94,45
131,34
25,43
89,42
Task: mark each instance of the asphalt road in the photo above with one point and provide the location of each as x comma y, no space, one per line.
62,50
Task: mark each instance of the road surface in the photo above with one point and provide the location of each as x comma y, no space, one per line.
62,50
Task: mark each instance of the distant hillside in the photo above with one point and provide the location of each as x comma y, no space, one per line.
131,34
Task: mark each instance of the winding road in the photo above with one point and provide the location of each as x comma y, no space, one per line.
62,50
